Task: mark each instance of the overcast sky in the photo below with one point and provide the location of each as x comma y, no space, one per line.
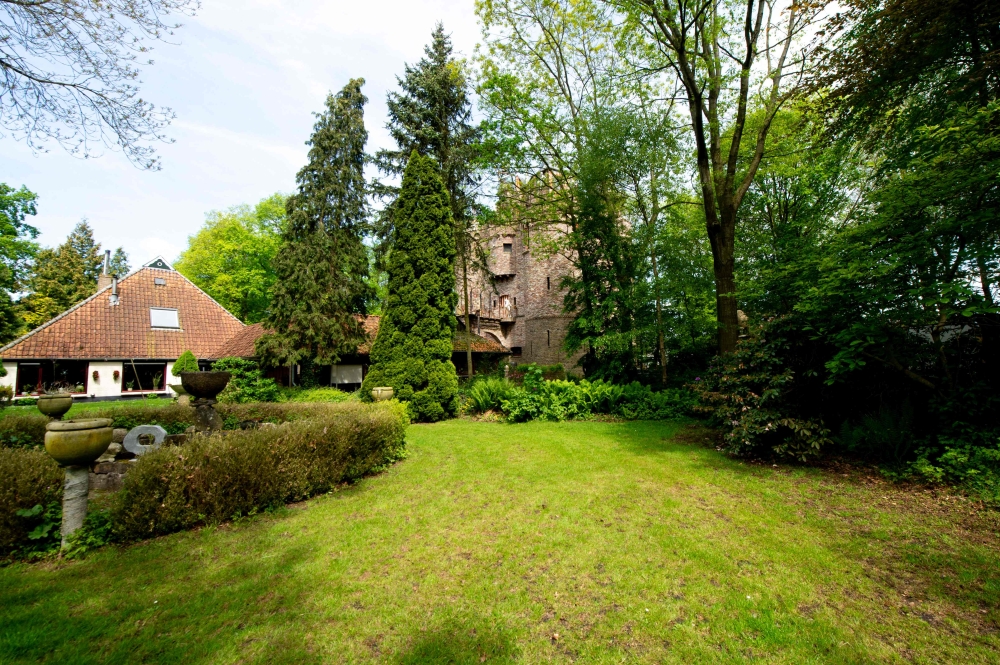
244,80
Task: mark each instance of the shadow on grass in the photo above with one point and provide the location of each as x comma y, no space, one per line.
457,642
159,605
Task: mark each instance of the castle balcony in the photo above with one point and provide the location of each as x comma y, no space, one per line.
501,313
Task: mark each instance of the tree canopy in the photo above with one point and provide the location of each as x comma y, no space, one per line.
231,257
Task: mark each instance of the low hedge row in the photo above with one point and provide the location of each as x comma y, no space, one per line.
215,478
27,478
212,479
28,429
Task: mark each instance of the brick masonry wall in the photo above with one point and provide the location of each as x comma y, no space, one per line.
523,307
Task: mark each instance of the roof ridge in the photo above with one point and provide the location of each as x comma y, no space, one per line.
101,290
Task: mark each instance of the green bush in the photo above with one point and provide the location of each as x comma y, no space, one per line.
221,477
19,430
565,400
488,394
332,395
28,478
185,363
248,383
748,393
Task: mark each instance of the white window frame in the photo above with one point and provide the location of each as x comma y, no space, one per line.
153,320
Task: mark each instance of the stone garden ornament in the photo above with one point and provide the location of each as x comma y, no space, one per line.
134,443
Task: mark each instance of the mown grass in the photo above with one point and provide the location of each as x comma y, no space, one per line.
589,542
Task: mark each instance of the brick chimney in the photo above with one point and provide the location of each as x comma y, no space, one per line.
104,279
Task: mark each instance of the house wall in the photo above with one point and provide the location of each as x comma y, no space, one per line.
105,386
11,378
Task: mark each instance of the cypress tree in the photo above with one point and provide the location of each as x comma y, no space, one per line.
412,352
432,114
321,268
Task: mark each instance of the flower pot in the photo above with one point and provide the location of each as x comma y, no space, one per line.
77,442
382,393
56,405
205,385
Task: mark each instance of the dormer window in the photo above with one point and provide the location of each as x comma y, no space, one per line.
160,317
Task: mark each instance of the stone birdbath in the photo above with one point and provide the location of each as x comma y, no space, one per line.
205,387
55,405
75,444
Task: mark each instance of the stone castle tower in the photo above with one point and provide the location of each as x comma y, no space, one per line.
520,302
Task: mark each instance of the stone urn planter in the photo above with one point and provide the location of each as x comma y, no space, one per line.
382,393
205,387
55,405
75,444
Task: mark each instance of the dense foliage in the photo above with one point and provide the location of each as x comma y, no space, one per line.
186,362
17,249
321,269
248,383
231,257
560,399
412,351
29,478
217,478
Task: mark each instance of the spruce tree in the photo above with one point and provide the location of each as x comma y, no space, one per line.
61,277
432,114
412,352
321,268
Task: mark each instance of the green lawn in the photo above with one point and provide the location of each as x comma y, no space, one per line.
589,542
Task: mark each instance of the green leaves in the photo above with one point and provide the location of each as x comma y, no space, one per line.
412,352
231,257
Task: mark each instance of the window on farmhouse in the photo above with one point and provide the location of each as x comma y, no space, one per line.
163,318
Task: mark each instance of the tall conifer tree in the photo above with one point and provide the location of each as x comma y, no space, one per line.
432,114
412,352
322,266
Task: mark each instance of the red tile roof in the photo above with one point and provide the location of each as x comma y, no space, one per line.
242,344
93,329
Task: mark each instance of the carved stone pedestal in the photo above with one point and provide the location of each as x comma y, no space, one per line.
206,418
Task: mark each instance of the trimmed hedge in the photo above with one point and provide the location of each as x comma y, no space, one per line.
212,479
27,478
18,430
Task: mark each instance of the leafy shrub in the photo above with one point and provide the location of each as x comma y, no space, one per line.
565,400
225,476
28,478
548,372
887,436
19,430
45,534
185,363
326,394
488,394
248,383
747,394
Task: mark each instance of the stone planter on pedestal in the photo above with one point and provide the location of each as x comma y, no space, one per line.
205,387
74,444
55,405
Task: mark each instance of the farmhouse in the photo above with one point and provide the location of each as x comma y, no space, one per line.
123,340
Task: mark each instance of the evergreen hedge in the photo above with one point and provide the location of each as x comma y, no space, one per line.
412,352
224,476
27,478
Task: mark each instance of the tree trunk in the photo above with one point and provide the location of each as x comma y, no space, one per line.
722,236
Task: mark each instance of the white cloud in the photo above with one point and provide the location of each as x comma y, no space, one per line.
153,247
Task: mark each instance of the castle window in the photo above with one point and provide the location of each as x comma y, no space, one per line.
548,282
508,247
548,338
